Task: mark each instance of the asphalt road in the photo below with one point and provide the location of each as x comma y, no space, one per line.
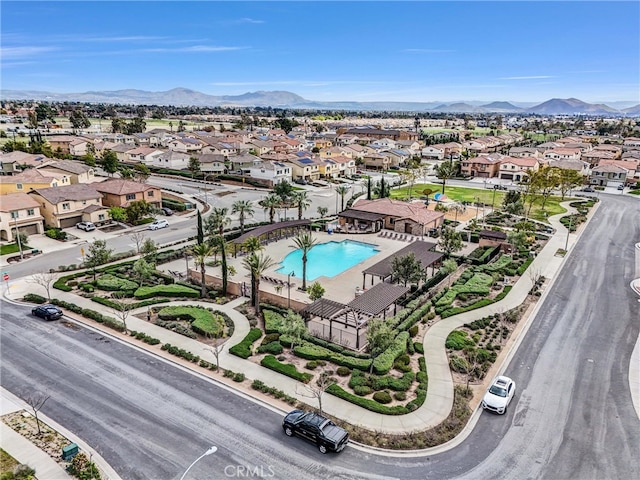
572,416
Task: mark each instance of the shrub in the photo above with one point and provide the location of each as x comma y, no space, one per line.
401,396
287,369
365,402
238,377
243,349
179,352
172,290
203,321
383,362
343,371
312,365
33,298
458,340
314,352
112,283
413,331
361,390
144,337
259,385
270,337
274,348
393,383
419,347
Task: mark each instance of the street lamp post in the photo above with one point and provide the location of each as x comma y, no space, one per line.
289,289
566,243
15,219
211,450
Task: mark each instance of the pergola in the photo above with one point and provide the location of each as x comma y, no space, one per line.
422,251
273,231
356,313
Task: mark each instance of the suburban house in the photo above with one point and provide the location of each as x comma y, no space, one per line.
69,145
369,133
435,152
608,175
305,168
242,161
563,154
186,144
328,168
144,155
147,139
377,161
120,193
220,148
402,217
22,211
212,163
63,207
523,152
13,162
121,150
517,168
172,160
76,171
32,179
579,166
271,172
347,166
632,166
482,166
594,157
631,143
346,139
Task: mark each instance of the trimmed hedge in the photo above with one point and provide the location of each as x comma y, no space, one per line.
383,362
274,348
202,321
172,290
479,304
145,303
144,337
112,283
458,340
287,369
279,394
243,349
92,314
418,347
309,351
371,405
33,298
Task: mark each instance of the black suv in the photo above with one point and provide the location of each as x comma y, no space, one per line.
47,311
316,428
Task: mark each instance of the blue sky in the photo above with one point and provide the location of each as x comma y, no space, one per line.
328,51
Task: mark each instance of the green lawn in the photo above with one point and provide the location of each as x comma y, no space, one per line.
12,248
488,197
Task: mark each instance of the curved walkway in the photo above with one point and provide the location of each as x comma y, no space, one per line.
439,399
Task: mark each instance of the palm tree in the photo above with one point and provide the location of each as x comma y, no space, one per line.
302,201
342,190
270,203
305,242
244,209
217,221
252,244
256,264
322,211
200,253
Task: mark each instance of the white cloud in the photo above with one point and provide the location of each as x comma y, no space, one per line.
249,20
20,52
529,77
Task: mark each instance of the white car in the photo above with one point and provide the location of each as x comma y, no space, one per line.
499,395
86,226
158,224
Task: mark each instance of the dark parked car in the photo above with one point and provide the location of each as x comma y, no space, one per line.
167,211
47,311
316,428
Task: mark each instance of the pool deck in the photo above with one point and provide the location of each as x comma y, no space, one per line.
340,288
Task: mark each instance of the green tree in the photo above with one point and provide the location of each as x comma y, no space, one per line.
194,166
305,242
217,221
446,170
294,327
244,209
252,244
301,201
110,162
407,269
149,250
322,211
117,214
97,254
512,203
545,181
141,172
200,230
143,270
449,266
222,249
568,180
257,264
286,124
342,190
379,337
315,291
450,241
137,210
270,203
137,125
79,120
118,125
201,252
283,189
517,239
89,159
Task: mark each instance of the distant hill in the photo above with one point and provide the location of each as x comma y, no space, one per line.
284,99
570,106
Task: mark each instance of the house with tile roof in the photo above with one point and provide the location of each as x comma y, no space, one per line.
563,153
63,207
31,179
270,172
145,155
403,217
630,164
516,169
608,175
186,144
21,211
14,162
579,166
525,152
68,145
78,172
483,166
121,193
305,168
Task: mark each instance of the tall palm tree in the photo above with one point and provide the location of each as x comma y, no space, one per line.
301,200
342,190
200,252
244,209
252,244
270,203
257,264
305,242
217,221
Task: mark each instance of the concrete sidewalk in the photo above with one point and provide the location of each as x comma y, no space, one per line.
439,399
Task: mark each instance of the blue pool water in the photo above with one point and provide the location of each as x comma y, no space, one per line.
327,259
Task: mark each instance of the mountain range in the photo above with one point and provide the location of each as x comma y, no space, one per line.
284,99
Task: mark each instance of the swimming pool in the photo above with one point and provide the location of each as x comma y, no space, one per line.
327,259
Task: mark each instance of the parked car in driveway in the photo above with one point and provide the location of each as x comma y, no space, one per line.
588,189
317,429
158,224
86,226
47,311
167,211
499,395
